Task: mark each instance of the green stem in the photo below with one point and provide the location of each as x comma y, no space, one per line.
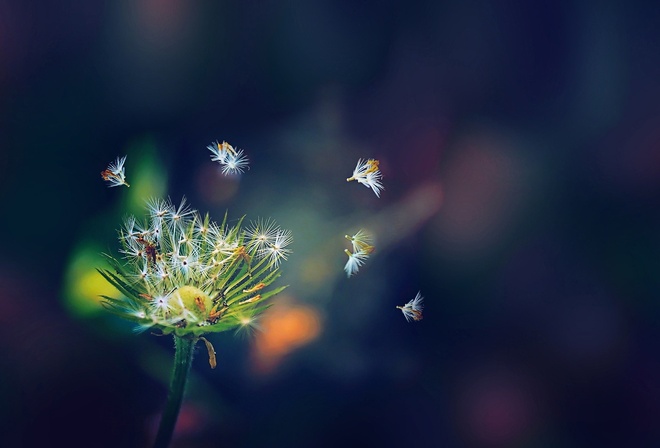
183,354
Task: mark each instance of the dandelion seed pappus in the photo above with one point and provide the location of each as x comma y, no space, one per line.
412,310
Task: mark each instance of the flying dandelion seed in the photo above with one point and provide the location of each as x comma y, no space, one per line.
362,248
368,174
412,310
355,261
361,241
114,173
233,161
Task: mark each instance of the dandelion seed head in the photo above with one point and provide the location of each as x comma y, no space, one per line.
184,271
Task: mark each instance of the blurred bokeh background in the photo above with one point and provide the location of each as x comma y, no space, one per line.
520,148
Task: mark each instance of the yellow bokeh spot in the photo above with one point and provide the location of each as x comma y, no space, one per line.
84,286
91,284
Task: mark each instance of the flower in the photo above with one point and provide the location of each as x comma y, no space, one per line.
367,173
413,309
233,161
114,173
187,275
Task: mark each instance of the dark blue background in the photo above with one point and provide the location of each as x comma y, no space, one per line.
535,126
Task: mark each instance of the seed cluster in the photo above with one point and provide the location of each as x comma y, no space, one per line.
185,273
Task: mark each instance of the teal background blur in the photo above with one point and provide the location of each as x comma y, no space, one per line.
520,148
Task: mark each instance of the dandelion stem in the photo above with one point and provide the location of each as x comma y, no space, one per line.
183,354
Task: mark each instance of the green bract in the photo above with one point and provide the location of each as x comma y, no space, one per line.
186,275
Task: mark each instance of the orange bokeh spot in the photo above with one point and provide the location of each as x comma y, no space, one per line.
285,327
